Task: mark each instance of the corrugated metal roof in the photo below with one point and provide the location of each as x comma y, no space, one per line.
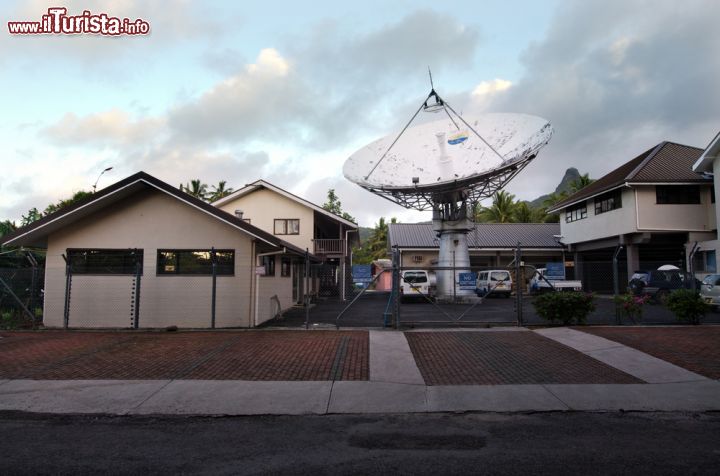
667,162
485,235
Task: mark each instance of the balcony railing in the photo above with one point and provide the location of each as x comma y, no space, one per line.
329,247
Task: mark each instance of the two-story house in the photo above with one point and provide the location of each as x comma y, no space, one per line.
305,225
708,164
654,207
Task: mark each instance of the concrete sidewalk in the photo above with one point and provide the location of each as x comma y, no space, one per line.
396,385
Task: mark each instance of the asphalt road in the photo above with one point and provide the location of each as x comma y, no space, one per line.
543,443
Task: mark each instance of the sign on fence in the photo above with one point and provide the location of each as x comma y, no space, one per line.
362,274
467,280
555,271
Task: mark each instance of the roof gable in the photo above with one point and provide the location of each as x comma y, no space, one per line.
262,184
120,190
667,162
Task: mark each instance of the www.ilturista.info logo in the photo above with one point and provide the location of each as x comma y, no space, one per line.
58,22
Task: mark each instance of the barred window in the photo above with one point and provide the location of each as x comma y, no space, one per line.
575,213
195,262
608,202
677,194
105,261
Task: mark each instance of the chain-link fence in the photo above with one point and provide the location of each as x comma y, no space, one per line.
106,290
21,296
408,295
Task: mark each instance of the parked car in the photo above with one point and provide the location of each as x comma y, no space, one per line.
496,282
416,284
538,284
660,282
710,290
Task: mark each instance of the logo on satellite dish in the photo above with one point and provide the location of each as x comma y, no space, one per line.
458,138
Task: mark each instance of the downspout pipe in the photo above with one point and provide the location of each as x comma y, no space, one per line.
344,273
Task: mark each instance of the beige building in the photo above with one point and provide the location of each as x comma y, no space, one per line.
308,226
141,253
651,210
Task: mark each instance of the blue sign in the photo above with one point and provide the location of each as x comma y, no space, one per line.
555,271
467,280
362,273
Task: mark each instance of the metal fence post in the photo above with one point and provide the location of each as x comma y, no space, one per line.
68,287
307,288
519,282
138,277
396,286
33,284
213,262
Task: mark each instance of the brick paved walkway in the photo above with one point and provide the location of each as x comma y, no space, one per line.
693,348
251,355
497,358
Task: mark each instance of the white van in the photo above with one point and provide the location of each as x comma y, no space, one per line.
415,284
496,282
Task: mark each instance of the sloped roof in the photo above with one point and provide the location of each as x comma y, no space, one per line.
667,162
711,152
40,229
260,184
485,235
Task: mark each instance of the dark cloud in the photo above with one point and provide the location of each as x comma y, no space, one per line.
616,78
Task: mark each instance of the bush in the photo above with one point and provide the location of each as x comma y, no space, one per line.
9,319
687,305
568,307
630,306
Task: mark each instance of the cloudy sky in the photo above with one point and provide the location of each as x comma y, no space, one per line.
286,91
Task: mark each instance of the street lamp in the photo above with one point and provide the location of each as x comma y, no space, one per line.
98,179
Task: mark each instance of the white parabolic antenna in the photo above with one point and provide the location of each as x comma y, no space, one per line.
446,165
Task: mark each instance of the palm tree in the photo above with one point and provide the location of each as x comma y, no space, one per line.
579,183
219,191
196,188
502,209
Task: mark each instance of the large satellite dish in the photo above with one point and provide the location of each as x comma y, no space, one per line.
443,166
444,156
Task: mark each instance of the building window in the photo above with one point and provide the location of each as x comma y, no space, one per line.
712,194
578,212
677,194
195,262
269,263
285,267
287,226
608,202
417,258
104,261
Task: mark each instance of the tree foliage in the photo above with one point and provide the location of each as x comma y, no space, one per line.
505,209
376,246
77,196
334,205
7,227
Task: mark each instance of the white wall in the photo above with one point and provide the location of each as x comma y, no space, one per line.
595,227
